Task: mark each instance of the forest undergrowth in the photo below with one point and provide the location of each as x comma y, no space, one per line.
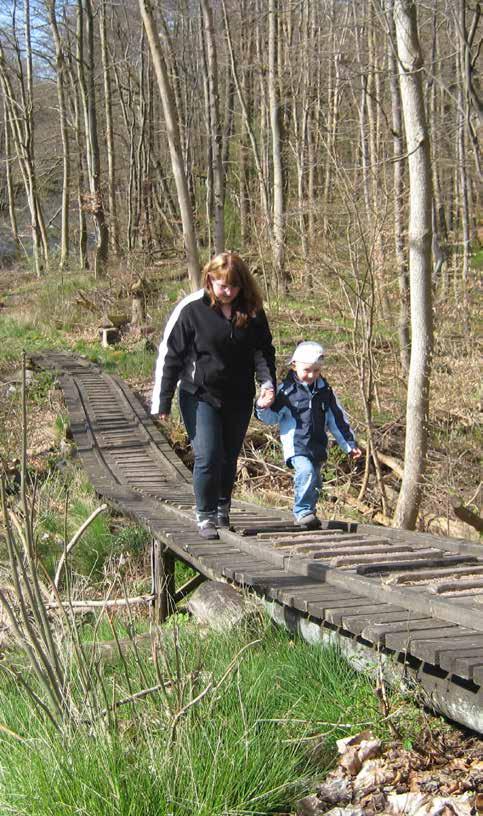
65,312
241,723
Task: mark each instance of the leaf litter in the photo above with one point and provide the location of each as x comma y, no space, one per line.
442,777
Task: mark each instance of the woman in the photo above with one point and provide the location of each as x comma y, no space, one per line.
215,342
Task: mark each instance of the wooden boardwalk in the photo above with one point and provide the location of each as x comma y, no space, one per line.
412,596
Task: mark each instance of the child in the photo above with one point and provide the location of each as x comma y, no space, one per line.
305,408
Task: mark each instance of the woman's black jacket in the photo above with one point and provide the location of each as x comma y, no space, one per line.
208,355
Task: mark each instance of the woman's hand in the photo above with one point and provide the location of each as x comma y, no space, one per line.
163,417
266,398
355,453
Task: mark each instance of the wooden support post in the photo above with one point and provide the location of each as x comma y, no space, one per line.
162,570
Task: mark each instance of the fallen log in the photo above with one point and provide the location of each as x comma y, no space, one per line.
467,515
390,461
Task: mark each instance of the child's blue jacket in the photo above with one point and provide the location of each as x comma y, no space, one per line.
305,416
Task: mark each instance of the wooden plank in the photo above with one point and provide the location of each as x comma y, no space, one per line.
307,536
355,543
204,550
387,566
334,602
268,527
292,595
375,559
465,664
429,650
448,660
355,553
356,623
350,617
377,629
257,575
402,639
334,611
361,624
458,586
432,574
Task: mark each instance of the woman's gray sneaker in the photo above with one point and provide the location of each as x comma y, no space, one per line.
207,530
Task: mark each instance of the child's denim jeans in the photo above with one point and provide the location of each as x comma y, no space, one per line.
307,483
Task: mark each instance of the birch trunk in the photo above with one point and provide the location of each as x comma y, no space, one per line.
420,211
398,181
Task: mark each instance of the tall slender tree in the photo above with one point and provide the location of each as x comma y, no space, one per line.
419,238
170,116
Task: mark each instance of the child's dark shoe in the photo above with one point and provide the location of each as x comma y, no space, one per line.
207,530
308,522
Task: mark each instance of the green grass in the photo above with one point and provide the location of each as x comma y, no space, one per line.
124,362
18,335
246,749
104,540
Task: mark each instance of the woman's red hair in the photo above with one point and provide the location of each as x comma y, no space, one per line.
229,268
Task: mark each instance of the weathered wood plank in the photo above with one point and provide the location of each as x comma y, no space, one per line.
430,650
377,629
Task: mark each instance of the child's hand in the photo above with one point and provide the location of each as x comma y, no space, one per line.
355,454
266,398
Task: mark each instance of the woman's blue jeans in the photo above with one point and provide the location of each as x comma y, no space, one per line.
307,482
216,436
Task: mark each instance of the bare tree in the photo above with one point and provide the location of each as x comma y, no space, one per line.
276,133
111,153
86,68
18,91
190,242
215,128
61,92
398,186
420,231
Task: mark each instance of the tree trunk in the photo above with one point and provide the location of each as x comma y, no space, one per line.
111,154
417,140
189,235
277,161
248,125
61,71
88,95
8,173
215,128
397,152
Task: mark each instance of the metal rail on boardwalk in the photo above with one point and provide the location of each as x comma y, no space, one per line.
415,598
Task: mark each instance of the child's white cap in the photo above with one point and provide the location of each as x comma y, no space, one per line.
308,352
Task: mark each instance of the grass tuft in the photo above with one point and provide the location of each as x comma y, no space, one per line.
245,749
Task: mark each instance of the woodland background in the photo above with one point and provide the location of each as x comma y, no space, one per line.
335,144
140,138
